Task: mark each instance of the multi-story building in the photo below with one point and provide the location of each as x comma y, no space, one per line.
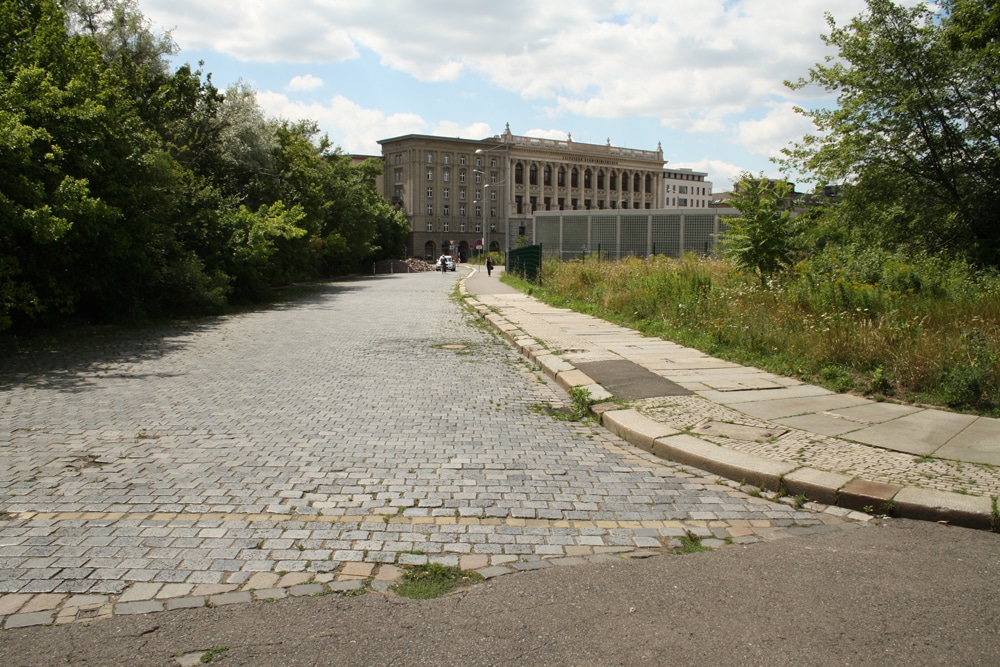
685,188
461,195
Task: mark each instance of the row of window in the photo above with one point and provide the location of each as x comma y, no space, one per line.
446,193
638,183
462,211
684,176
684,189
446,159
446,227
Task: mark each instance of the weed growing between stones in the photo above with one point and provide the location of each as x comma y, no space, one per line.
690,544
423,582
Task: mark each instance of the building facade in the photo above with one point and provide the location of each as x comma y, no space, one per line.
463,195
685,188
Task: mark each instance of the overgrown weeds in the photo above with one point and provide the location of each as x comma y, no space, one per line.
882,324
423,582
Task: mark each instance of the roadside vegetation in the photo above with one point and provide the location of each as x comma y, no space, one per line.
890,288
132,188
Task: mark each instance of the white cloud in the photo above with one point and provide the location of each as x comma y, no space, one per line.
770,134
304,82
353,128
694,66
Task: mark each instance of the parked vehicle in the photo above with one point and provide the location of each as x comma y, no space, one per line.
446,263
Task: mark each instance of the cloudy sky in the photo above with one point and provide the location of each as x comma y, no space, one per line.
705,78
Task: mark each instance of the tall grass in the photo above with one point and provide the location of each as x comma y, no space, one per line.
918,329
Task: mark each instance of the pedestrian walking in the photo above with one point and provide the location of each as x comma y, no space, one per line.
489,266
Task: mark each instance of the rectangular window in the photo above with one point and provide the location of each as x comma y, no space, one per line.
447,175
430,226
444,227
430,210
562,203
430,174
493,211
461,160
479,212
548,203
493,195
461,177
399,158
461,228
479,177
479,162
519,203
479,227
461,194
446,193
534,204
493,163
461,210
446,210
493,177
447,159
430,158
399,175
430,192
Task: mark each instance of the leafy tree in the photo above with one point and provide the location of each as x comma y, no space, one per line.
914,136
759,240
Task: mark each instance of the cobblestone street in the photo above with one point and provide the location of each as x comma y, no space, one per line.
365,425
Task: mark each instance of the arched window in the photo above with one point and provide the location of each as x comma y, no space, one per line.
547,175
533,175
519,174
649,183
561,177
614,181
600,179
624,181
574,178
587,179
636,183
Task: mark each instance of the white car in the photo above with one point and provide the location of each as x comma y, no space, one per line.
449,263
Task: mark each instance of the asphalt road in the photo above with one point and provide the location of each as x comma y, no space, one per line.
901,593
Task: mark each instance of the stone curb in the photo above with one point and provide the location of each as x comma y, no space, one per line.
817,485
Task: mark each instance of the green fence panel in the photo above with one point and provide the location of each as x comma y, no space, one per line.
525,262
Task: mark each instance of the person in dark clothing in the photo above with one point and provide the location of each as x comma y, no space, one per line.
489,266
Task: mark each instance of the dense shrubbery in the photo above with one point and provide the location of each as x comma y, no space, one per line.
879,323
127,190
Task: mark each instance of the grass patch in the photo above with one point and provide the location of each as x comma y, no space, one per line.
210,655
423,582
876,323
690,544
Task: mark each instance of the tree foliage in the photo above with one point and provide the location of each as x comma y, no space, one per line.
759,241
914,137
129,190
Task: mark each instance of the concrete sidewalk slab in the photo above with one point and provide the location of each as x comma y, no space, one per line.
823,423
753,396
800,405
921,433
876,412
980,443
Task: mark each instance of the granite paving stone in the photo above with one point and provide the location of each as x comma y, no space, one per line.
177,482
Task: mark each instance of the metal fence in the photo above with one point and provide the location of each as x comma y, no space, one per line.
525,262
613,235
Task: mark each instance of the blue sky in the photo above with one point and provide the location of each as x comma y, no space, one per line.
703,79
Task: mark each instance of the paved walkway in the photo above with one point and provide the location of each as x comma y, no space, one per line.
750,425
318,447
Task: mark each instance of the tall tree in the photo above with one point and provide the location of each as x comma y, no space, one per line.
913,139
